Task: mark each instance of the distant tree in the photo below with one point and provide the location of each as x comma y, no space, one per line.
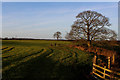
57,35
91,25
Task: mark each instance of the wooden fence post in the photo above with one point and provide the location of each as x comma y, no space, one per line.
94,60
109,63
93,69
104,72
113,59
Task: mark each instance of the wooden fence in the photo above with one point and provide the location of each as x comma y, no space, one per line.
104,73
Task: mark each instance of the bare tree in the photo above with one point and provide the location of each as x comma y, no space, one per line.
57,35
91,25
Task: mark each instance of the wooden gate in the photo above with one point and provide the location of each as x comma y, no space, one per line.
105,72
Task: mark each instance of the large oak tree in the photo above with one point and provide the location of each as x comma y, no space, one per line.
91,25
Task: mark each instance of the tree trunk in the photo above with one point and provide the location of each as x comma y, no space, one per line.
88,40
88,36
89,43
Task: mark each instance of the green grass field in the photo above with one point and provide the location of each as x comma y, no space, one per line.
38,60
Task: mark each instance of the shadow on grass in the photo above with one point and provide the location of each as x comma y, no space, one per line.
7,50
6,63
43,68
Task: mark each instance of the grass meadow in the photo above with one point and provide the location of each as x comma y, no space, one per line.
41,59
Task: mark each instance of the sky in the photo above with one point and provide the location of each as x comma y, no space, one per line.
119,20
60,0
42,19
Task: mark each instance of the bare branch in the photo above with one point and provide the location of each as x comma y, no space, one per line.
90,25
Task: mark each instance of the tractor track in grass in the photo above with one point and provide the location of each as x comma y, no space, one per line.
20,58
8,50
6,57
9,55
61,51
51,51
50,54
42,64
73,54
25,59
4,48
68,55
28,60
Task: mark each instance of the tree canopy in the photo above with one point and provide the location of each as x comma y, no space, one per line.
91,25
57,35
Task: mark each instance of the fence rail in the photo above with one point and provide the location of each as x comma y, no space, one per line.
105,72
